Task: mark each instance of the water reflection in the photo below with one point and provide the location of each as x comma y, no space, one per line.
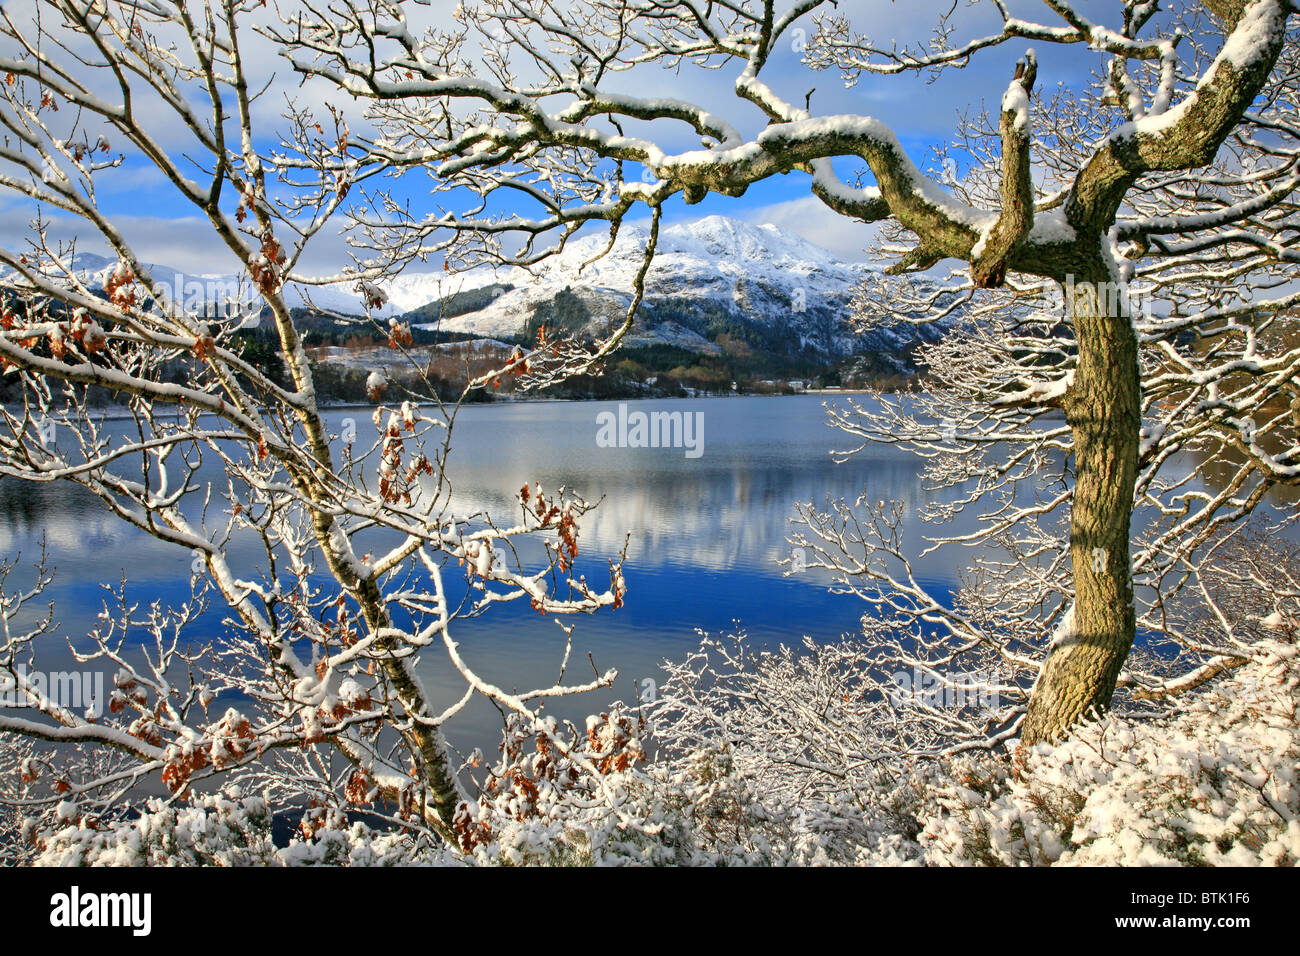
706,534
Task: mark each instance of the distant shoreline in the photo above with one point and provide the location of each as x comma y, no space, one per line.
118,413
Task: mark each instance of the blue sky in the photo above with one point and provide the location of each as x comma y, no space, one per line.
164,229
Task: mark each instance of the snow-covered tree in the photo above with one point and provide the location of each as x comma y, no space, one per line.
1174,171
544,115
1208,258
340,561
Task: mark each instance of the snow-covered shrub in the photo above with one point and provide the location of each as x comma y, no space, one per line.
782,749
568,797
1217,782
224,830
213,831
743,772
12,851
1212,781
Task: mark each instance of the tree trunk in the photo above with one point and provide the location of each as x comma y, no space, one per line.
1103,407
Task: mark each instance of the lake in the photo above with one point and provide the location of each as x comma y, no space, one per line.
707,528
707,523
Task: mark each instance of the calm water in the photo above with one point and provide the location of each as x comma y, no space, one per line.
706,535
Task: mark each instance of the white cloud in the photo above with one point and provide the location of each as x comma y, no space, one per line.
810,218
186,243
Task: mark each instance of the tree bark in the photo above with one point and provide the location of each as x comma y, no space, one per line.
1103,409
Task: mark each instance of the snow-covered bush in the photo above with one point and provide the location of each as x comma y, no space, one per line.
1215,782
225,830
11,848
726,780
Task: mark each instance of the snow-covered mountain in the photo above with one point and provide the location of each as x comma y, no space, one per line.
760,283
712,275
755,273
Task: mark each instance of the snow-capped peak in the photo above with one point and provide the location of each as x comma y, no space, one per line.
758,272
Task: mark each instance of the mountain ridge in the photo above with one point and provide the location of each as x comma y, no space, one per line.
716,276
